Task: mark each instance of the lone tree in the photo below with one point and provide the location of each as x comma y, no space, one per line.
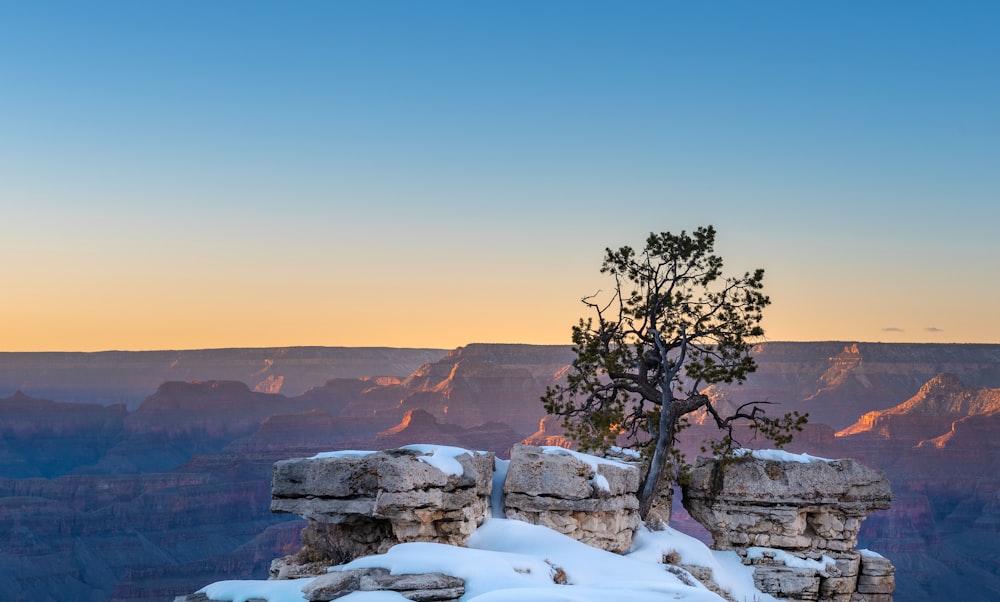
672,325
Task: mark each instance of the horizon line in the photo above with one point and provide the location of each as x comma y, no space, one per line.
436,348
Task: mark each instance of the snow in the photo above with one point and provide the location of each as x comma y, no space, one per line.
727,567
347,453
625,451
593,461
441,457
870,554
791,560
601,482
778,455
289,590
513,561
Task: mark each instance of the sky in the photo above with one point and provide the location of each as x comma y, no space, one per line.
183,174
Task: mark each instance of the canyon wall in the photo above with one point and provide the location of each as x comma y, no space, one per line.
112,502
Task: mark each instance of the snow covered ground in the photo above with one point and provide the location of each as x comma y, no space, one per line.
513,561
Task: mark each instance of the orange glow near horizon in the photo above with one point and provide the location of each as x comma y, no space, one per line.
130,323
203,294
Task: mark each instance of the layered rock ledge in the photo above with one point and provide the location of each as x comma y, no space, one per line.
362,503
795,519
593,501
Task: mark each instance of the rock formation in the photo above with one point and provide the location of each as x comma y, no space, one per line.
930,413
550,432
488,383
63,436
836,382
795,519
419,425
360,503
129,376
591,501
422,587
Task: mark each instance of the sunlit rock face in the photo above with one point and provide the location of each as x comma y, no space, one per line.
931,413
550,432
482,383
838,382
796,521
420,426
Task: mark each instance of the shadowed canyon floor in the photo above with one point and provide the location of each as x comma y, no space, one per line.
149,474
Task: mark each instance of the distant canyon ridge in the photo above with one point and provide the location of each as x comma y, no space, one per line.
135,476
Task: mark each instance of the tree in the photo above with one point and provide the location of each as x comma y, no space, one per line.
673,325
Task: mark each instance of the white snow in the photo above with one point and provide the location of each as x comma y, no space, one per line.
347,453
778,455
870,554
513,561
601,482
441,457
593,461
728,569
791,560
287,590
626,451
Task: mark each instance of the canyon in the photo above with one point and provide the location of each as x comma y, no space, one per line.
135,476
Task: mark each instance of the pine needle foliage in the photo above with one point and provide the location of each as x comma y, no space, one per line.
672,325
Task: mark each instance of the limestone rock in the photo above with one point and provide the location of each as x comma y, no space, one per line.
364,504
424,587
292,567
877,575
560,491
815,505
788,582
804,517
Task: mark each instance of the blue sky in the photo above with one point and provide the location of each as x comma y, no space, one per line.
194,174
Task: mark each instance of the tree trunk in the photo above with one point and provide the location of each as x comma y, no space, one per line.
652,486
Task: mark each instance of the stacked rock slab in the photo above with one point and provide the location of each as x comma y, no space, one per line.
592,502
796,522
365,503
423,587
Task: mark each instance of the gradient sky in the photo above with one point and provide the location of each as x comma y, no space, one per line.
429,174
